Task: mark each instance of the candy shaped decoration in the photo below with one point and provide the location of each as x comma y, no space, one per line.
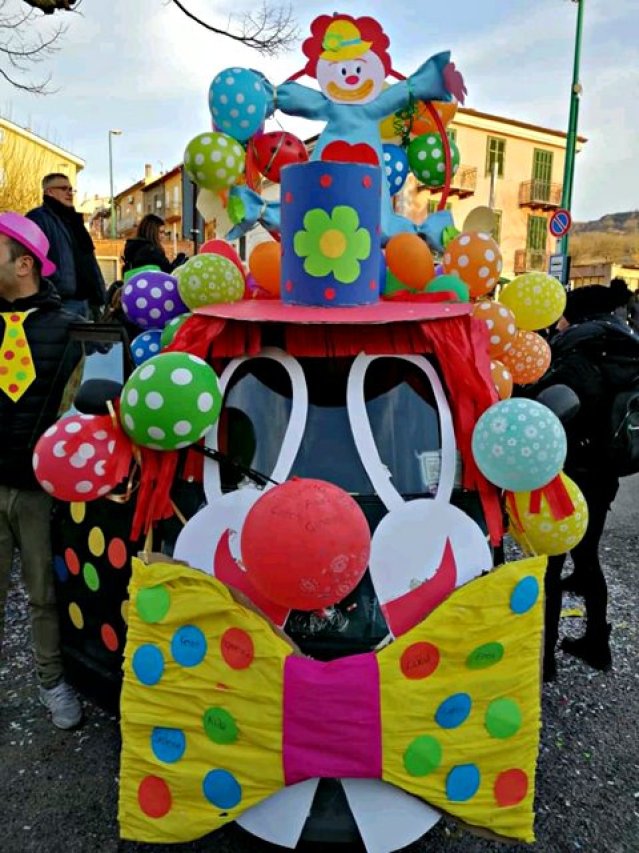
209,280
275,150
536,299
171,329
214,161
170,402
146,345
540,530
519,445
528,358
81,457
265,265
150,299
238,100
305,544
476,259
395,167
503,379
500,322
426,159
410,260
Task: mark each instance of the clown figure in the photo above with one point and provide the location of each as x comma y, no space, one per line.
348,58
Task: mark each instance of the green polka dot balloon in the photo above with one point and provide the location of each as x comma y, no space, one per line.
208,280
171,329
214,160
170,401
427,160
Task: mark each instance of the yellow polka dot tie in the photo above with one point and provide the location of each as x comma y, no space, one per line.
17,370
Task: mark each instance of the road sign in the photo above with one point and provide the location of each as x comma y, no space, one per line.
560,223
559,267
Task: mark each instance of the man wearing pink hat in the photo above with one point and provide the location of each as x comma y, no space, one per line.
37,358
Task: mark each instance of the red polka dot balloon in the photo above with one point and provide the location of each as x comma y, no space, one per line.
476,259
81,457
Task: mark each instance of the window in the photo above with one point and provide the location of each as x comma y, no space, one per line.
452,134
495,153
537,233
138,207
433,204
496,232
542,174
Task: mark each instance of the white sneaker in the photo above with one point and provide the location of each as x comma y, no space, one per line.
61,701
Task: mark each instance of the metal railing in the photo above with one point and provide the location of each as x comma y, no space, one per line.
538,193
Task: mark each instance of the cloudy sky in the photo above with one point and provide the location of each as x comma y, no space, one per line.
143,67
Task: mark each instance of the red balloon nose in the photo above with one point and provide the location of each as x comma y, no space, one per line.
352,79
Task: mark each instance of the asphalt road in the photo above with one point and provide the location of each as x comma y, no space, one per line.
58,791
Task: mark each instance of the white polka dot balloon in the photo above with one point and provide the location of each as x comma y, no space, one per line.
214,161
238,100
81,457
536,299
519,445
210,279
171,401
146,345
395,167
150,299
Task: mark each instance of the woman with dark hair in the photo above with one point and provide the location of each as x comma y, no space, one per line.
145,249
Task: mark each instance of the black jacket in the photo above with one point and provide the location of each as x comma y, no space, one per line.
54,356
139,252
596,358
78,275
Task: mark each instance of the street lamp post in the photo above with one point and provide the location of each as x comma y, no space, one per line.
571,139
112,133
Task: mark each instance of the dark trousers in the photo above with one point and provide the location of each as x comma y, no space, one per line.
599,490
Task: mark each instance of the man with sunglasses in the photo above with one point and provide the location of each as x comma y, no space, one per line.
78,279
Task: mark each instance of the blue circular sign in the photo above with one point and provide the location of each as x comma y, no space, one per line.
560,223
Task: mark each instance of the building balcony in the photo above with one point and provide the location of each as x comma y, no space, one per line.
531,260
462,185
540,195
172,212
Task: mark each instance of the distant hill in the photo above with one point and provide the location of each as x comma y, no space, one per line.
614,237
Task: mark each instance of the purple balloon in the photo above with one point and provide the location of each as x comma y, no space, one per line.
151,298
439,270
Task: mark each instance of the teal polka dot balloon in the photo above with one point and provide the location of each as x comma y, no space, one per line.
208,280
214,160
427,160
170,401
519,445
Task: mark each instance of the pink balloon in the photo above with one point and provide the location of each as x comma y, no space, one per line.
221,247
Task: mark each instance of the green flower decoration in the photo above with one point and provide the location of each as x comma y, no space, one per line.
236,210
333,244
449,234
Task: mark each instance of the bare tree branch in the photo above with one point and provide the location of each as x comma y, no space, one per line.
22,46
269,31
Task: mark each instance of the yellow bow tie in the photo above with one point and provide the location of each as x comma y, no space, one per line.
17,370
219,712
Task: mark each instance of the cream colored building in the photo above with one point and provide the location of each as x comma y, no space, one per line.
25,158
528,164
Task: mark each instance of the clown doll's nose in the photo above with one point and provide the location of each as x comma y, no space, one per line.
352,79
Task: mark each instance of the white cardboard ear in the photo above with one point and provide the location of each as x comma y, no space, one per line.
422,549
294,431
281,817
387,817
207,540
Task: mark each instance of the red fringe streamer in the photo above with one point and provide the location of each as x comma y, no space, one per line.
559,501
157,472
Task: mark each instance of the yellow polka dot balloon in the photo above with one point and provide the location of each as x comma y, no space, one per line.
540,532
536,299
476,259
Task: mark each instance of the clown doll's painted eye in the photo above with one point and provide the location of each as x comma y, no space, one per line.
358,70
344,72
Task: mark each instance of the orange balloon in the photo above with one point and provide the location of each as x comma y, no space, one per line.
501,326
410,260
503,379
528,358
423,121
476,259
265,263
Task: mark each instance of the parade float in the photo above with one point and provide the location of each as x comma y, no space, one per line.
329,617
